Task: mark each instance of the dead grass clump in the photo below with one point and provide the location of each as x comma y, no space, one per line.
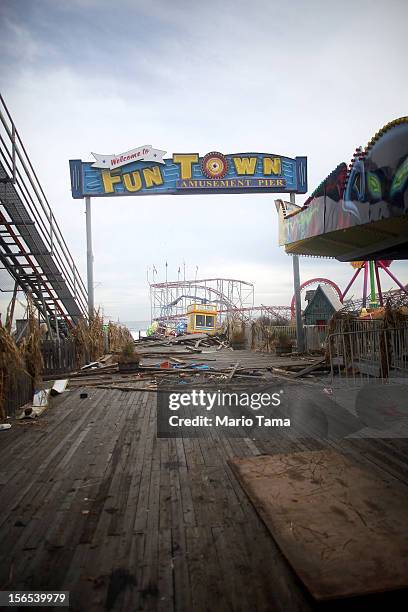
267,334
236,333
119,337
30,347
96,337
11,364
89,340
128,355
80,335
262,336
341,322
22,359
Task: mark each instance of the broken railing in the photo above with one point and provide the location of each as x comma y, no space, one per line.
373,350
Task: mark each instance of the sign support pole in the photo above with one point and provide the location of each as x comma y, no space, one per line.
296,282
89,259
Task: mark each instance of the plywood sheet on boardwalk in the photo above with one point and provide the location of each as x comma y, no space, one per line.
344,530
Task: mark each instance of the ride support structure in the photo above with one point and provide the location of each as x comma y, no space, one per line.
170,300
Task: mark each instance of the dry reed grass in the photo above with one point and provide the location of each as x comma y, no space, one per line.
90,339
80,335
236,333
11,364
96,337
24,358
119,337
30,347
266,334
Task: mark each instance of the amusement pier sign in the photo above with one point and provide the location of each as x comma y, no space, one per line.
143,171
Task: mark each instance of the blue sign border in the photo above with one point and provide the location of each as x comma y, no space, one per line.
87,181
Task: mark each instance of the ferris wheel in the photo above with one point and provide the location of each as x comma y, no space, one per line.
314,281
372,277
371,283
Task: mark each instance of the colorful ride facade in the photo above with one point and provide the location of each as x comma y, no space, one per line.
360,211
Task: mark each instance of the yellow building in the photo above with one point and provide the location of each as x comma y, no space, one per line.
202,318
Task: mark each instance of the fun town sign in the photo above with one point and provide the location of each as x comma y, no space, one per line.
144,171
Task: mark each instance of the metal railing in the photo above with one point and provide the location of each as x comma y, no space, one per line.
371,351
21,173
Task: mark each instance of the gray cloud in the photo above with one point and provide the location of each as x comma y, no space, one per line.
315,78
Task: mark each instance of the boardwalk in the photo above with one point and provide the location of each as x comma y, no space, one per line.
93,503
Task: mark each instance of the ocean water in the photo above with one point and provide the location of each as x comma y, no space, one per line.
137,326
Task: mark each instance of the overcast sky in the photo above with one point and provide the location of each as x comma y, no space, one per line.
313,78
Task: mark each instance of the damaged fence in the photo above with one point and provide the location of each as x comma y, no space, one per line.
369,349
59,356
17,391
271,338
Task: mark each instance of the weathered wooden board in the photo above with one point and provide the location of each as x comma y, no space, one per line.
344,530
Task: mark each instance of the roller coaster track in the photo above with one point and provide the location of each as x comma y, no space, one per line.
32,247
245,314
171,299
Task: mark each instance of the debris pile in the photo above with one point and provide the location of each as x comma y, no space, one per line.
189,341
192,358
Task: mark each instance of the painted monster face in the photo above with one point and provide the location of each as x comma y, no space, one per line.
381,174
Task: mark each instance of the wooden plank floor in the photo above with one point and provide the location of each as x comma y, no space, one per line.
92,502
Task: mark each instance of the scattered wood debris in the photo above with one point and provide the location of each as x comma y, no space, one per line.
310,368
188,359
234,369
155,369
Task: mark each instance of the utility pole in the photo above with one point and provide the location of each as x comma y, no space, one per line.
298,303
89,259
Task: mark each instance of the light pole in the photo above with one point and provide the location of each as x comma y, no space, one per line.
298,303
